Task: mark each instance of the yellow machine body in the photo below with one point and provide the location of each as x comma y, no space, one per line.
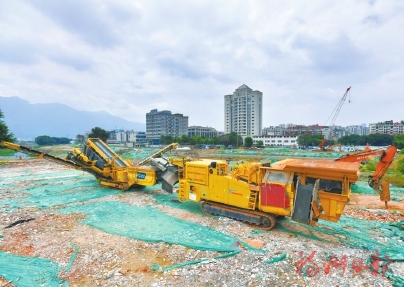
109,168
305,190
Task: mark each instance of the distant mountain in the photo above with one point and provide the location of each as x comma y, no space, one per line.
27,121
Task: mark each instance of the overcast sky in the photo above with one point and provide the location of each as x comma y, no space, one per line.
128,57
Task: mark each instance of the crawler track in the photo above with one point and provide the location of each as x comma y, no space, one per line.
264,220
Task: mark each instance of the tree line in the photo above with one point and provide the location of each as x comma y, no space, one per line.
354,140
5,134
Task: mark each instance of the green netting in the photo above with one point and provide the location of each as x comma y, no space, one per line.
71,261
291,153
138,154
149,224
39,178
50,189
30,272
387,239
173,200
276,259
363,188
157,267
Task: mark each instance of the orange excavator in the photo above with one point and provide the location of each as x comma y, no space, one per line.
322,143
375,181
331,148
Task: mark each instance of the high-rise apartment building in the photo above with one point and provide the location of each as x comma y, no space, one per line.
163,123
243,112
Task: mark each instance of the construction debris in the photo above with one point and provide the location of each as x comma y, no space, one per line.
361,250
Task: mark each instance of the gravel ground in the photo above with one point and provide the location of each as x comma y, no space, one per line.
105,259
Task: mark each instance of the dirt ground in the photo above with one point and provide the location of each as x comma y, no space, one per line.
373,202
105,259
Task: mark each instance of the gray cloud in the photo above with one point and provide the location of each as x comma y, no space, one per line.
90,20
18,52
178,65
129,57
77,62
335,56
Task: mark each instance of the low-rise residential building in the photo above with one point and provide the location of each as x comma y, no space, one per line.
287,141
121,136
139,138
117,136
296,130
303,129
164,123
361,130
205,132
274,131
387,127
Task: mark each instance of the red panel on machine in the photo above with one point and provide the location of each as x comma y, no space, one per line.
273,194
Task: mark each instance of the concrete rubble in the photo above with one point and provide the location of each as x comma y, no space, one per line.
105,259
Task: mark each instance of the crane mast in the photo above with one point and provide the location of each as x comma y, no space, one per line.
335,113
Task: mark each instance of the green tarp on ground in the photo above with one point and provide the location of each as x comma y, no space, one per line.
46,190
384,239
30,271
149,224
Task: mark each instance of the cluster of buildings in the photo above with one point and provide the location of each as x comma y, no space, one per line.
243,115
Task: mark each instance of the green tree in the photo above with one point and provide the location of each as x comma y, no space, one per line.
260,144
224,140
198,140
100,133
44,140
234,139
399,165
248,141
80,138
215,140
380,139
399,141
5,134
62,140
166,139
353,140
184,139
310,140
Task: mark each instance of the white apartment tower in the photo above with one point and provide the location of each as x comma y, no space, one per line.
243,112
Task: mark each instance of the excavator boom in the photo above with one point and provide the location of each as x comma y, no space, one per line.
375,181
385,161
360,156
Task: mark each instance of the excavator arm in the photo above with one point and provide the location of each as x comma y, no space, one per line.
322,143
375,180
360,155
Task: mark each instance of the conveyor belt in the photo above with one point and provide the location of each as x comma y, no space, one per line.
108,153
